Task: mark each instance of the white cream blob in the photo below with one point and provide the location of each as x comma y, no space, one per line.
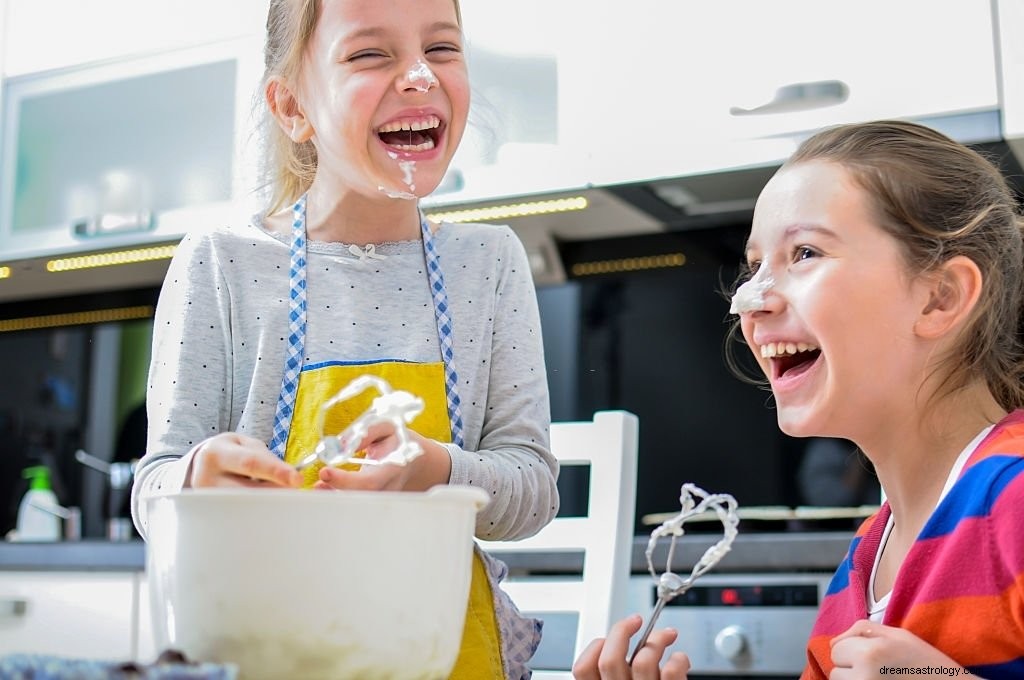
393,193
750,296
408,168
421,77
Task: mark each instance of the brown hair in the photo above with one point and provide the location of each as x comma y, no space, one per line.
939,199
290,166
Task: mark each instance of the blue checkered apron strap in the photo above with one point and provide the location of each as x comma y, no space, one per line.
439,293
296,331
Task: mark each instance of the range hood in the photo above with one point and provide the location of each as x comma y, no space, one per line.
705,200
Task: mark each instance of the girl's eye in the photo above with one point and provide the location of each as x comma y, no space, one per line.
749,270
444,49
804,253
365,55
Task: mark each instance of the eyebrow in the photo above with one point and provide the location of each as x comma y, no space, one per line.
377,31
794,229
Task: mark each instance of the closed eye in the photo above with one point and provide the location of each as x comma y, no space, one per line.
366,55
444,50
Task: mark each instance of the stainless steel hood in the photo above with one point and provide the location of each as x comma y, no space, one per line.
714,199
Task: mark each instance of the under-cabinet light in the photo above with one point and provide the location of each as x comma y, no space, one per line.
27,323
629,264
500,212
111,258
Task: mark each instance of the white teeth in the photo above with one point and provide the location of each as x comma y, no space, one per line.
425,146
777,349
428,123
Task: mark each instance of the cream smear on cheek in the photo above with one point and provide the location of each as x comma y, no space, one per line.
422,79
750,296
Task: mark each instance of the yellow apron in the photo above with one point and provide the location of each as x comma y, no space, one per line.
480,655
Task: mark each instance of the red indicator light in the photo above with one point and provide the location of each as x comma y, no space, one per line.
730,596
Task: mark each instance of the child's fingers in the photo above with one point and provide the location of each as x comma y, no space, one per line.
676,667
585,667
616,646
861,628
648,658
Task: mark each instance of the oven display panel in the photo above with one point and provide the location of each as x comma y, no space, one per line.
790,595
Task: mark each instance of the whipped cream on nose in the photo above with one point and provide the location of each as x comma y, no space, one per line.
421,77
750,296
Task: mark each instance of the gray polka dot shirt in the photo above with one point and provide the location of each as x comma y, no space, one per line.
220,336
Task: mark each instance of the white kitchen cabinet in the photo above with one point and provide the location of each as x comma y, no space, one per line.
710,78
126,152
89,615
56,34
593,92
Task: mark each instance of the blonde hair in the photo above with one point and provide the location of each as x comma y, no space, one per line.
940,199
290,166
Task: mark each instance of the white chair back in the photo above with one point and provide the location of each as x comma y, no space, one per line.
608,445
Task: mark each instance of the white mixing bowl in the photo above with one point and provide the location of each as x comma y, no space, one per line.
313,584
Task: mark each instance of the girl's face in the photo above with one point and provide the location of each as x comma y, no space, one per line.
385,90
835,334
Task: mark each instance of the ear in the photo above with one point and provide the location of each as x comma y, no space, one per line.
953,291
287,111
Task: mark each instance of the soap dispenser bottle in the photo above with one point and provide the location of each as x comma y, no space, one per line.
34,522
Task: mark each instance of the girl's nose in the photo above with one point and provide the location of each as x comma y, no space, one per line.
418,77
753,295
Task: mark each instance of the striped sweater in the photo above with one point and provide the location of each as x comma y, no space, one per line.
961,586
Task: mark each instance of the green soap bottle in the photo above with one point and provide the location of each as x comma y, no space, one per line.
35,523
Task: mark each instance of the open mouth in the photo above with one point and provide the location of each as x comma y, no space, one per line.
411,135
790,358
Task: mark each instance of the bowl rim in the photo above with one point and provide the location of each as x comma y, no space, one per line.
440,494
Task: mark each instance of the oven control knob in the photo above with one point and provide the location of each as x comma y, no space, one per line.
731,641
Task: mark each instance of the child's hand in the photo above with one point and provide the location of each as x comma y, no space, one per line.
429,469
866,647
232,459
605,659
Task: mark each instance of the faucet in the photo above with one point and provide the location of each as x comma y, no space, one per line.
118,528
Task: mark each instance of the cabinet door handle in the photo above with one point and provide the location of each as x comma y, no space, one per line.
800,97
11,607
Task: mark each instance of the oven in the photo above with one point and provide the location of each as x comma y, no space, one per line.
740,624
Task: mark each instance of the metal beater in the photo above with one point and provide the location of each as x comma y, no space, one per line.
671,585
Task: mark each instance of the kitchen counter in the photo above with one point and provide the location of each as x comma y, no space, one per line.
73,556
752,552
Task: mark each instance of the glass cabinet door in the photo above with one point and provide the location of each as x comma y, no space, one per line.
110,154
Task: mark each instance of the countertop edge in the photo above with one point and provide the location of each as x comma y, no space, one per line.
770,552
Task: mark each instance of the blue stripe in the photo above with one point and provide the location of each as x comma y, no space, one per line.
974,494
1009,670
367,362
841,578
